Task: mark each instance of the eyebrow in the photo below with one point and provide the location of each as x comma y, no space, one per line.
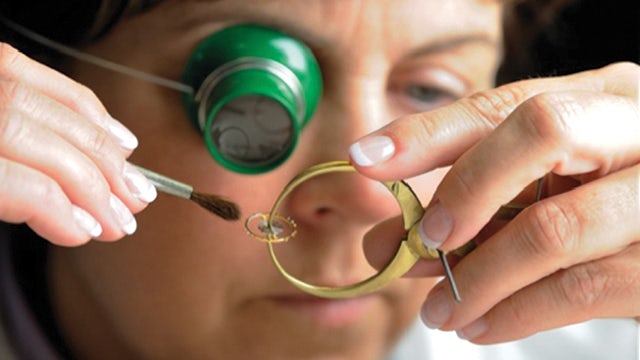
449,43
320,43
431,46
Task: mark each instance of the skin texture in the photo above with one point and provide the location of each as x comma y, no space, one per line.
190,285
572,256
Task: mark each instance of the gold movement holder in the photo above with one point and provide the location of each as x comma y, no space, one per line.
276,228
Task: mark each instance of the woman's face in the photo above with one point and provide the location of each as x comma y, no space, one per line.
190,285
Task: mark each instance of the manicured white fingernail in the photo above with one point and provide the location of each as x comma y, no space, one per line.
436,226
125,138
86,221
372,150
138,184
123,215
473,330
437,309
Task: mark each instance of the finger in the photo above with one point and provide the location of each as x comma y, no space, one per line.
419,143
23,141
590,222
25,106
605,288
563,133
20,68
28,196
381,244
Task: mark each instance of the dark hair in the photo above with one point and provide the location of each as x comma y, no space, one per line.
557,37
71,22
542,37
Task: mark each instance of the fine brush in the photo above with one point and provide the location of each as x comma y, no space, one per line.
213,203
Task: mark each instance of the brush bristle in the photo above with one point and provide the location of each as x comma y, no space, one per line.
217,205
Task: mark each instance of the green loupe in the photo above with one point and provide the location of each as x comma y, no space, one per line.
257,88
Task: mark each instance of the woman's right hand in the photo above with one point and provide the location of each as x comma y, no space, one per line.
63,167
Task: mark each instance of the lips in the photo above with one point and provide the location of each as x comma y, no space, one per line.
327,312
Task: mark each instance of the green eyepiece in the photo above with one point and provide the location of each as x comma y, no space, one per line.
256,90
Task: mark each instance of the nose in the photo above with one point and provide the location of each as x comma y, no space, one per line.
340,200
354,103
333,211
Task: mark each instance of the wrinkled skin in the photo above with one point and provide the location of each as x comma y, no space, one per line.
190,285
187,284
571,257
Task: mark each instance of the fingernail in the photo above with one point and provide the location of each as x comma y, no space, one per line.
372,150
123,136
86,221
437,309
123,215
473,330
138,184
436,226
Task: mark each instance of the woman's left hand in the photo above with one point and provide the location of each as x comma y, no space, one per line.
574,255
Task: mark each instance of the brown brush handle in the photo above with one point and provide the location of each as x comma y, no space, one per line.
166,184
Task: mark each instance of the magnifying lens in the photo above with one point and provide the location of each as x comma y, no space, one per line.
273,228
257,88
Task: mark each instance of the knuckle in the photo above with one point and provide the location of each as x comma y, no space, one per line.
98,187
547,118
624,272
41,186
585,285
49,191
94,176
495,105
6,174
8,57
84,185
427,127
16,181
620,78
12,130
15,97
106,162
623,67
463,179
555,230
518,308
10,93
83,95
101,143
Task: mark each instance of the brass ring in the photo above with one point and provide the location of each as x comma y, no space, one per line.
409,250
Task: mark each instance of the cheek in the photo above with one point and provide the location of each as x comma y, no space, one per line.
185,276
155,115
181,279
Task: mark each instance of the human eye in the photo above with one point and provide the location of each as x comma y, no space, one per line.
427,97
424,89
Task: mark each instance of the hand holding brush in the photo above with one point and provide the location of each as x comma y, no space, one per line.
213,203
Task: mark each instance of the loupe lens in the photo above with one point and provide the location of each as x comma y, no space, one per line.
333,256
252,131
227,68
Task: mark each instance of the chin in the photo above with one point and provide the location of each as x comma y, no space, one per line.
300,326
